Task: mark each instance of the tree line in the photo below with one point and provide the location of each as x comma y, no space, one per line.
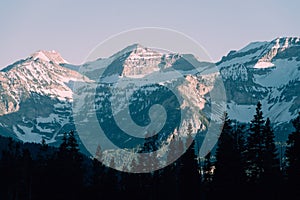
245,165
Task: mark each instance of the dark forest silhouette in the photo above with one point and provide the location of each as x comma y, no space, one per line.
245,165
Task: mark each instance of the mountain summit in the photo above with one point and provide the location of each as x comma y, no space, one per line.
48,56
36,92
261,54
266,72
35,97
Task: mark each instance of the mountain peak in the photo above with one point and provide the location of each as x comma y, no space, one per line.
135,48
285,42
48,56
261,54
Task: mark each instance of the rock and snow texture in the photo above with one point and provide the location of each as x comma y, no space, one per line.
145,61
40,74
136,66
48,56
36,94
263,71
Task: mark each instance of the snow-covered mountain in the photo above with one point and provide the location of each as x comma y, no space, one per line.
36,92
35,97
268,72
150,72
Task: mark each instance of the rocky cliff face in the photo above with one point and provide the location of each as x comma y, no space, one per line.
37,92
36,96
264,71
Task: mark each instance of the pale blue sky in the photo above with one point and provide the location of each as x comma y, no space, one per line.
74,28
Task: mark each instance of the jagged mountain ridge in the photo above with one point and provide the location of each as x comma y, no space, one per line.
130,67
36,97
36,92
264,71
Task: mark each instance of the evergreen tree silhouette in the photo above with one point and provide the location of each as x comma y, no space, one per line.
293,159
40,172
239,138
170,175
66,169
11,177
229,172
25,181
255,142
271,162
189,177
271,177
63,148
263,168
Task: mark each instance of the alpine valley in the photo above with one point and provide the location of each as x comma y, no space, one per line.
36,93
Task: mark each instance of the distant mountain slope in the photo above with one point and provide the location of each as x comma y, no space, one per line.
36,93
36,96
263,71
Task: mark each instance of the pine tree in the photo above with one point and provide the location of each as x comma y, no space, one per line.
97,181
72,144
293,154
224,153
11,170
229,167
40,171
255,142
67,164
189,176
63,148
270,156
25,186
171,174
262,161
239,136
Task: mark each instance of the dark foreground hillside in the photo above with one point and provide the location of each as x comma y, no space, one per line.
246,165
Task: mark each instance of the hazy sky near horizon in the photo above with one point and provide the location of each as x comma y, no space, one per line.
74,28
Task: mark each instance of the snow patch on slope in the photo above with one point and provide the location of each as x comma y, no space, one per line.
49,56
263,65
283,72
27,135
278,112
